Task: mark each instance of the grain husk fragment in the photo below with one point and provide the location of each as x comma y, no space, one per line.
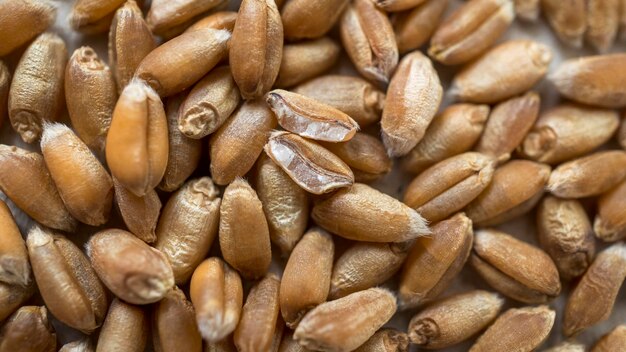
21,21
386,340
174,324
140,214
125,328
413,28
568,22
299,24
615,340
30,329
303,61
14,264
610,221
165,15
602,23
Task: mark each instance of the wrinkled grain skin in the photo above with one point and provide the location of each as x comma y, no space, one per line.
90,95
593,298
140,214
132,270
369,40
306,278
490,79
449,185
216,20
89,14
5,82
37,195
30,329
256,48
285,204
568,131
260,317
615,340
398,5
310,19
365,265
386,340
137,145
434,261
209,103
414,28
83,345
565,234
515,268
243,231
188,226
589,175
130,40
508,124
592,80
455,130
471,30
568,20
67,282
413,98
36,93
350,94
125,328
518,329
311,166
217,295
610,221
362,213
366,156
602,23
346,323
184,152
527,10
303,61
21,21
454,319
13,296
165,68
235,147
14,264
174,324
515,188
165,15
83,183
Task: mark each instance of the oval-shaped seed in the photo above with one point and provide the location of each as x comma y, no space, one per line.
87,13
452,132
217,295
515,268
13,296
615,340
515,188
346,323
82,345
36,93
188,225
132,270
260,317
490,78
35,194
602,23
305,60
256,48
365,265
365,154
125,328
209,103
306,278
610,221
367,36
568,22
386,340
414,28
243,231
216,20
567,346
454,319
309,118
14,264
166,68
565,233
164,15
413,99
508,124
352,95
137,144
83,183
285,204
140,214
593,298
471,30
589,175
68,284
99,26
518,329
236,146
299,23
354,214
527,10
435,260
568,131
174,324
309,165
184,152
449,185
90,95
23,21
30,329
